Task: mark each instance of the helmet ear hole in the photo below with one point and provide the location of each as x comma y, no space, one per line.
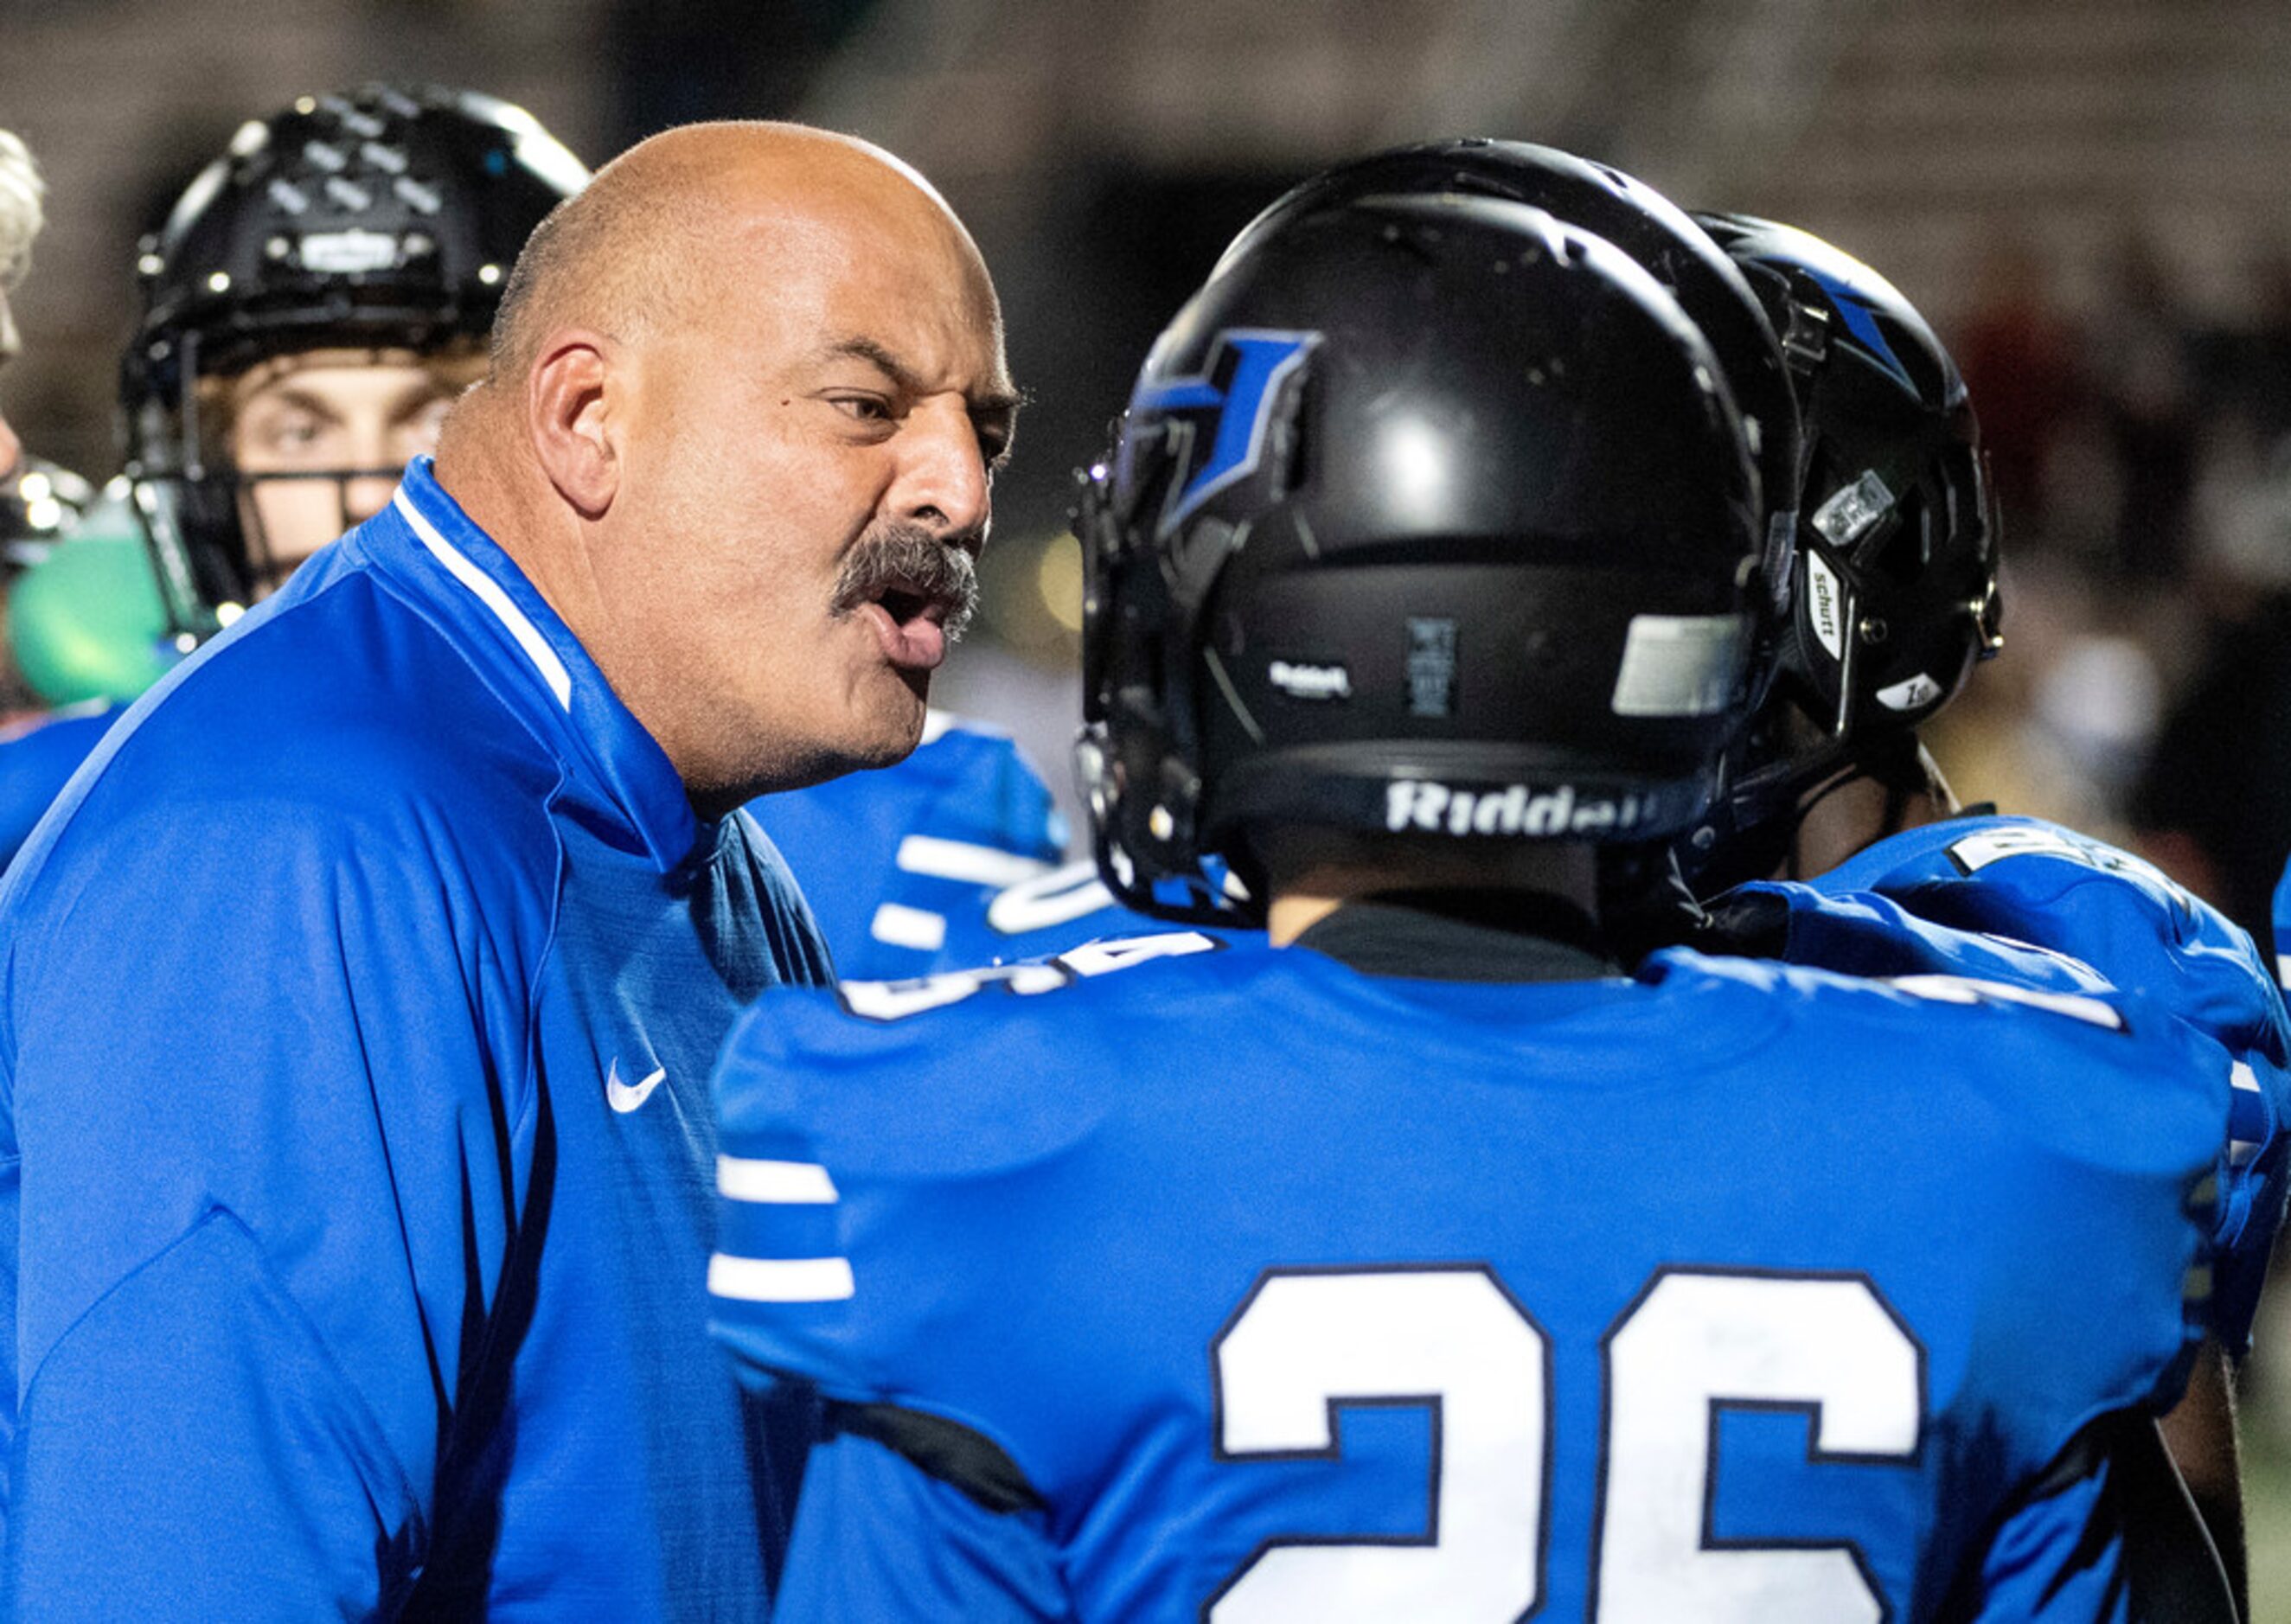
1899,553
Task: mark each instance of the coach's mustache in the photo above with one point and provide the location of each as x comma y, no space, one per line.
910,571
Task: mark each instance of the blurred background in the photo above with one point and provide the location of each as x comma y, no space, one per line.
2090,199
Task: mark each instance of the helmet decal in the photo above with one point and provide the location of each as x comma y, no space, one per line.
1254,364
1854,309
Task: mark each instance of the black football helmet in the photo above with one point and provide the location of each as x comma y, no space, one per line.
383,217
1633,217
1896,587
1430,515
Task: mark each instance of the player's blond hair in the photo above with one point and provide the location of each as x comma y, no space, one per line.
21,215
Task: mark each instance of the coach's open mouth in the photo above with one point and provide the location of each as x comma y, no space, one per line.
911,624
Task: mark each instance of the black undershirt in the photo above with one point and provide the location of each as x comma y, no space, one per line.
1493,935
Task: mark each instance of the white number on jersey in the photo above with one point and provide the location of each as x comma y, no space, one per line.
1697,1341
1451,1338
896,1000
1058,898
1306,1342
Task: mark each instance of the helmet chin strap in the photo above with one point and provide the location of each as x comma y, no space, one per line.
1758,831
1913,792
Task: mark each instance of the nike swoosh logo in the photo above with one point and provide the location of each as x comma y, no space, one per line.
624,1097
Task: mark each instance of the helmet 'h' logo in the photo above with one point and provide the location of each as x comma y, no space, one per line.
1859,311
1240,381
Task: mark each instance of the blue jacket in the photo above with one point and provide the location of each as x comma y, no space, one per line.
356,1004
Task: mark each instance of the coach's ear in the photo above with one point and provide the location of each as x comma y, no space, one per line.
571,402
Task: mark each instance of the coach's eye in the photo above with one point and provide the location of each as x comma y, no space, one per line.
865,408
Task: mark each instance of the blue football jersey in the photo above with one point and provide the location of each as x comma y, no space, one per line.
356,1166
36,761
2021,900
1240,1285
902,864
949,860
1048,913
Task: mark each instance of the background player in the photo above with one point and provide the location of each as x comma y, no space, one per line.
1896,603
1895,559
1428,1274
20,217
38,499
314,302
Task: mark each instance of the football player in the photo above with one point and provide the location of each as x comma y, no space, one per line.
1041,913
1414,1261
1896,568
316,299
38,499
20,217
1896,596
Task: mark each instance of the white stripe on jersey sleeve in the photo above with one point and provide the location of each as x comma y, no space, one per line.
780,1280
903,926
966,861
793,1183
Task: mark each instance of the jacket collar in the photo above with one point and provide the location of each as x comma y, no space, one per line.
532,663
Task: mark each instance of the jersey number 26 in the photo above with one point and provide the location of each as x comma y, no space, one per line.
1308,1341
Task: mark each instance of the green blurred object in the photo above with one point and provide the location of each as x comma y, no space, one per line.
86,622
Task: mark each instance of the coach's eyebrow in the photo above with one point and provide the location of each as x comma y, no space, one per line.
877,357
907,380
